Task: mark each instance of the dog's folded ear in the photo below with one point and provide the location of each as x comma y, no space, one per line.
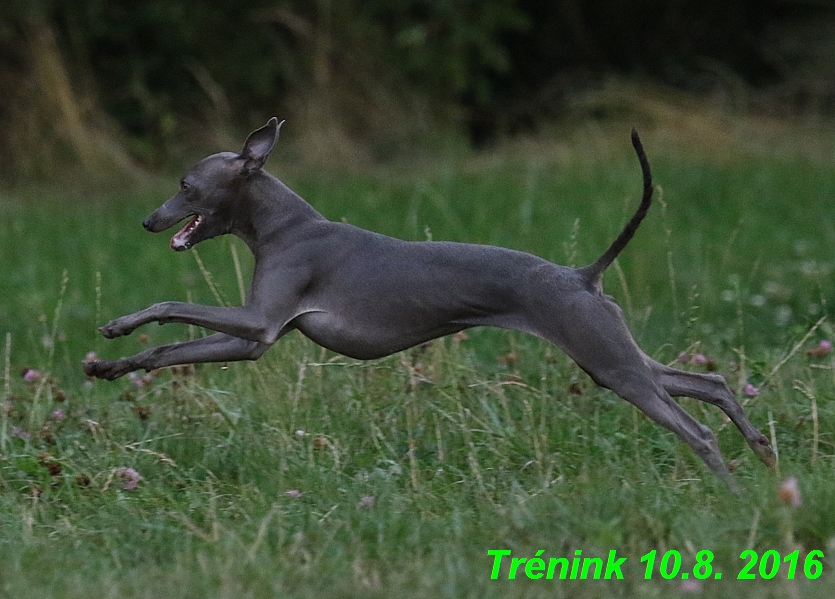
258,146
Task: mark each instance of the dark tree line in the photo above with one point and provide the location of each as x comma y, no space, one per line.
116,81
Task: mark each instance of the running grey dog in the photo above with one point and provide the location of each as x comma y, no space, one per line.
366,295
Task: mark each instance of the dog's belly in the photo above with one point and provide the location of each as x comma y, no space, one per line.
367,339
379,305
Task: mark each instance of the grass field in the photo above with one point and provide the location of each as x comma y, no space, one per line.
307,474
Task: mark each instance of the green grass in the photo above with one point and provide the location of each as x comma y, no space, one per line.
461,449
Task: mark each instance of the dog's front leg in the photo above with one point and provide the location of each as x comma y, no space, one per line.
214,348
243,322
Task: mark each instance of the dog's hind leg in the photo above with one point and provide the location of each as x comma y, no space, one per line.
640,388
605,349
713,389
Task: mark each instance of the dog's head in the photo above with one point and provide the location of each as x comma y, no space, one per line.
208,192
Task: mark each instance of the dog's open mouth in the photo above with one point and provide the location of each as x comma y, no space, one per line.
181,240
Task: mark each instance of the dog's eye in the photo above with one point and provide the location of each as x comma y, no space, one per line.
184,186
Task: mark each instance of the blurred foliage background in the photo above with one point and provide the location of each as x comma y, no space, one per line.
105,84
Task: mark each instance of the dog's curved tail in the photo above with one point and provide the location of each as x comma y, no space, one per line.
593,272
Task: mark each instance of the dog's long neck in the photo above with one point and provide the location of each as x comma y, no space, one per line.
267,208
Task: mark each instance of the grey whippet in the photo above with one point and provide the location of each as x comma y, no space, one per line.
366,295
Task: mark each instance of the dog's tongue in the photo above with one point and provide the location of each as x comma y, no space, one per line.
180,240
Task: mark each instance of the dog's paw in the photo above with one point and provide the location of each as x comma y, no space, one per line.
116,328
762,449
106,369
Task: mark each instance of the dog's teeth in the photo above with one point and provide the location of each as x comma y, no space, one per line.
181,238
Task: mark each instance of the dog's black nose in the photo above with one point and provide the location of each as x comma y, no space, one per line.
147,223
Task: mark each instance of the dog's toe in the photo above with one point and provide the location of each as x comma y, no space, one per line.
104,369
109,331
763,450
97,368
90,368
